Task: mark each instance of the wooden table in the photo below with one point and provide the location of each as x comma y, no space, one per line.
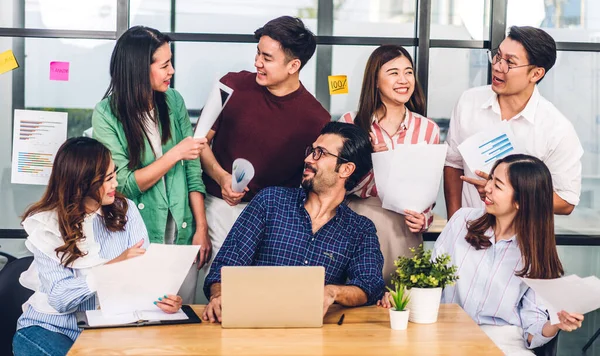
365,331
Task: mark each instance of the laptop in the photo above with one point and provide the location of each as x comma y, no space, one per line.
272,297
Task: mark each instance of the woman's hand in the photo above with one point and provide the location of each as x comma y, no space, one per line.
377,147
201,238
169,303
385,301
134,251
569,321
189,148
415,221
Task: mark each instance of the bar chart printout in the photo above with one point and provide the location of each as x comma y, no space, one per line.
37,136
483,149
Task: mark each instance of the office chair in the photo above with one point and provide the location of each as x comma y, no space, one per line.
591,341
12,295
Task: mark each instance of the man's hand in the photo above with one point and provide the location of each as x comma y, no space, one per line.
201,238
329,297
478,183
212,311
232,198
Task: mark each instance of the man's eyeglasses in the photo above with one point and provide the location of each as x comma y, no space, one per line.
317,152
494,58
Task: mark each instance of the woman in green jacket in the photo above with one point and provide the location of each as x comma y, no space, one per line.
146,126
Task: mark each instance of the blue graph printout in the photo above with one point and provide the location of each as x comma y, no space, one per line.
496,148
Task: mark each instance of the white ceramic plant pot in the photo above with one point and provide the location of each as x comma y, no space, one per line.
424,305
399,319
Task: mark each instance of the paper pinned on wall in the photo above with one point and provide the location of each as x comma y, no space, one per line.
8,61
37,135
217,99
59,71
134,284
409,176
572,294
338,84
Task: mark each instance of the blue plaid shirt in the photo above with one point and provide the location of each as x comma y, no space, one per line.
276,230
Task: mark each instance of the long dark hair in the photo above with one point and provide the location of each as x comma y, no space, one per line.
79,171
370,98
534,221
130,92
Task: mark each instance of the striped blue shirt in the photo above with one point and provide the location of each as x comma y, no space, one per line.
67,291
487,288
276,230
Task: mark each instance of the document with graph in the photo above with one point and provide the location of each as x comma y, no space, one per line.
483,149
37,135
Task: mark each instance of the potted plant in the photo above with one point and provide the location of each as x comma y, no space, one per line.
398,312
424,278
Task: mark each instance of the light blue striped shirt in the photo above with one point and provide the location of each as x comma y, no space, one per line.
487,288
67,291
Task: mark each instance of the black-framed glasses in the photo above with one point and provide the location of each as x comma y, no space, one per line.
494,58
318,151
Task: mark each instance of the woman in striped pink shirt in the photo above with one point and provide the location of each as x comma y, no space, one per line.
390,110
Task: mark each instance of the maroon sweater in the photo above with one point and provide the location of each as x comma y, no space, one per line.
269,131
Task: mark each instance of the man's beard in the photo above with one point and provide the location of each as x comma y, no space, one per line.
307,184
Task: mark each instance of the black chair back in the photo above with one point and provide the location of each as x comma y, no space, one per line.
12,295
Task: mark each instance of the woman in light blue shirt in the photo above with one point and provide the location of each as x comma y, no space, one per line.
80,222
512,237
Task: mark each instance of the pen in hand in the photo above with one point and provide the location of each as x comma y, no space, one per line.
341,321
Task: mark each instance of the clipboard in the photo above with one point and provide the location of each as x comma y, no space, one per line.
82,321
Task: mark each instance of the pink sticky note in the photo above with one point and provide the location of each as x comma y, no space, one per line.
59,71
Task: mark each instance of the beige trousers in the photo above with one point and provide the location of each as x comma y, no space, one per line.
395,238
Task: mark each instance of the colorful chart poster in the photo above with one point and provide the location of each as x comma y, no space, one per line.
37,136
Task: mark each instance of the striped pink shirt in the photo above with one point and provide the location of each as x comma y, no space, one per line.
414,129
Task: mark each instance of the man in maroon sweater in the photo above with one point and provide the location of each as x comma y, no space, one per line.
269,120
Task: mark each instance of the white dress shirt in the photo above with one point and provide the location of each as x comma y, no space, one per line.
540,129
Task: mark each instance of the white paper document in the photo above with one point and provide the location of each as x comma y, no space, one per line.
242,173
98,318
483,149
135,284
572,294
37,136
409,176
217,99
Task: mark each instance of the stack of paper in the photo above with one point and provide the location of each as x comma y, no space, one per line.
97,318
572,294
409,177
135,284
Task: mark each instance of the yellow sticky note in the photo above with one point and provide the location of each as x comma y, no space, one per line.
338,84
7,61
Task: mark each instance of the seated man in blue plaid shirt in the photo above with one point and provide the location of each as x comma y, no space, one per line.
311,226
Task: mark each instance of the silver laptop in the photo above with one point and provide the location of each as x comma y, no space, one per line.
272,297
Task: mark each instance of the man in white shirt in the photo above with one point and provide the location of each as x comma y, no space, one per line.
520,62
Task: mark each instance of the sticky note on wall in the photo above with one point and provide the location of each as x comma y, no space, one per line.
338,84
59,71
8,61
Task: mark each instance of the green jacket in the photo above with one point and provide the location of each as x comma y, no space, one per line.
184,177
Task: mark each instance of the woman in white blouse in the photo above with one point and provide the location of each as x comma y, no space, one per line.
512,237
80,222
